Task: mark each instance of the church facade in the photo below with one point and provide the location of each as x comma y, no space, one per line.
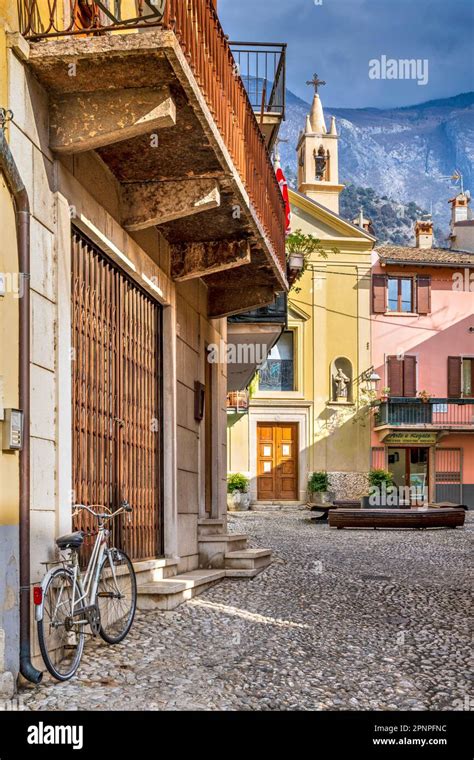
308,409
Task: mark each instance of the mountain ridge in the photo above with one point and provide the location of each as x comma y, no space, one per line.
403,153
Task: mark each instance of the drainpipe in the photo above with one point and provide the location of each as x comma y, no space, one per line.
22,215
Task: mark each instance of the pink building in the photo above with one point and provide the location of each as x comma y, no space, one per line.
423,351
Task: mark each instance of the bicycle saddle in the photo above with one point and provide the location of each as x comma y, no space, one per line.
71,540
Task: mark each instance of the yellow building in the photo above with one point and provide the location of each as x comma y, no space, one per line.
308,409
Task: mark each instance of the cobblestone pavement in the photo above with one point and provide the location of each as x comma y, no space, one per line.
341,620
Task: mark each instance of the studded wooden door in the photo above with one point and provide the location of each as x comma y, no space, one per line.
116,398
277,461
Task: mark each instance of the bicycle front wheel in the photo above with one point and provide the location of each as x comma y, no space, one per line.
61,636
116,596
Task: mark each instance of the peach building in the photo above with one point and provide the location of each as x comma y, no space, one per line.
423,351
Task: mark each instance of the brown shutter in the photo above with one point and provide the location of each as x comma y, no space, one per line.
379,293
454,376
423,294
409,376
395,375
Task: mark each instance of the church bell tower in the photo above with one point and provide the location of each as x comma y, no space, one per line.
317,150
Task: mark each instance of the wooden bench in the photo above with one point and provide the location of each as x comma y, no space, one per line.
444,517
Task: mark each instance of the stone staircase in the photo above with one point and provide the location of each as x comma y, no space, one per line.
221,555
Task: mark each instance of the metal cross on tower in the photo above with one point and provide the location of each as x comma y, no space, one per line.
316,82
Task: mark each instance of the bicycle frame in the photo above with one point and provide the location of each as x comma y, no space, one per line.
88,584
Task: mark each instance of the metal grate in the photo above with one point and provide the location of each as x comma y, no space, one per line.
116,399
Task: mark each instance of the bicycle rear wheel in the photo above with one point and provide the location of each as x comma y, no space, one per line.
61,639
116,596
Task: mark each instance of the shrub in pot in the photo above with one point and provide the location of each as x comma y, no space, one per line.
238,496
382,491
318,488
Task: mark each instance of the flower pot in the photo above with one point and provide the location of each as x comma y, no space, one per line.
296,262
322,498
238,501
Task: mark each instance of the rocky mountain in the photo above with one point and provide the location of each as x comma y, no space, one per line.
392,222
402,154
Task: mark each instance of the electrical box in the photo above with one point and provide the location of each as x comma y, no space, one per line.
12,438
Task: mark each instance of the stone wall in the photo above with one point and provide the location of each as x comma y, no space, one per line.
348,485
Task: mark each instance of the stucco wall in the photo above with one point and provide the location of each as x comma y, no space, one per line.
81,190
431,338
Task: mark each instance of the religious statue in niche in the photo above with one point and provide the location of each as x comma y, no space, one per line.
342,382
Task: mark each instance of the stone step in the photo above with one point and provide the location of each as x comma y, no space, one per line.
149,571
279,506
212,549
251,560
211,527
231,573
168,593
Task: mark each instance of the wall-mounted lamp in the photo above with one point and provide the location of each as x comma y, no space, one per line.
371,379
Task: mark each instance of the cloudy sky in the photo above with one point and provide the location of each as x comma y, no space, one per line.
338,38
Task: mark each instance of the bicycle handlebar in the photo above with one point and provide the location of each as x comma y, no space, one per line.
124,507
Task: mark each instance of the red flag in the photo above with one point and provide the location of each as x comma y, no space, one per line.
284,191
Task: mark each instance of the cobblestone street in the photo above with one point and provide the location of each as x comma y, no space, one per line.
342,620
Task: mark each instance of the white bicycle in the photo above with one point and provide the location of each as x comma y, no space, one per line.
104,597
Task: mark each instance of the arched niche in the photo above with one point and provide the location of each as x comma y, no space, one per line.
342,377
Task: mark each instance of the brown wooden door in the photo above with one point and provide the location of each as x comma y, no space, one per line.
116,399
277,461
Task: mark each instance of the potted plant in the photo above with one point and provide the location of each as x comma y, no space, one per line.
382,490
318,488
424,396
299,249
384,394
238,496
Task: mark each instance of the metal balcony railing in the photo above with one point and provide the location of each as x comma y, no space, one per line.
262,67
437,413
275,313
49,18
203,42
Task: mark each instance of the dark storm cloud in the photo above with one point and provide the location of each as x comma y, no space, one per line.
338,39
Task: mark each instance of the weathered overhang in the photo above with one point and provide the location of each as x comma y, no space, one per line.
134,99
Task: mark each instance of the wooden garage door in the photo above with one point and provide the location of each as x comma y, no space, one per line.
116,399
277,461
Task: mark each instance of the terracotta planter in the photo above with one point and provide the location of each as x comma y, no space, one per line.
238,501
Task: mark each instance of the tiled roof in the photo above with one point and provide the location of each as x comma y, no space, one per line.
424,256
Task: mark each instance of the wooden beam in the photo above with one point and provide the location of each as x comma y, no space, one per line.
88,120
190,260
146,204
223,302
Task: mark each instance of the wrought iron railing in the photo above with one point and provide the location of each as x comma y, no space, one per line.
436,413
202,39
262,67
275,313
48,18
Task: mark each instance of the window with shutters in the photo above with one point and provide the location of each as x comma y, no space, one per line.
401,376
460,377
400,294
